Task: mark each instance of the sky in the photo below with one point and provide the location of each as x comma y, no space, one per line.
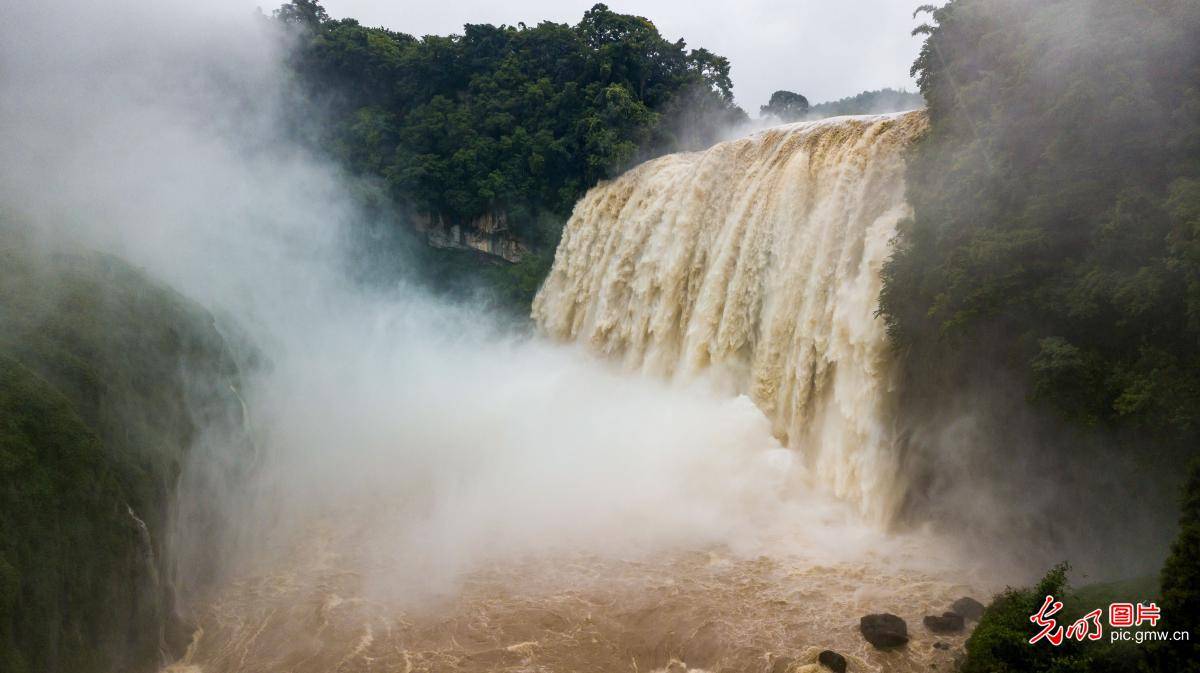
824,49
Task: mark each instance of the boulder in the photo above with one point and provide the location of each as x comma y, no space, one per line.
949,622
884,630
968,607
833,661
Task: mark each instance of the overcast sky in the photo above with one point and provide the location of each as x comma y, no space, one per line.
824,49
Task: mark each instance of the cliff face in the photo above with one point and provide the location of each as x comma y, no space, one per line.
107,380
488,234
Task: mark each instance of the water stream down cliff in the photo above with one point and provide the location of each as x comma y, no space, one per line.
757,260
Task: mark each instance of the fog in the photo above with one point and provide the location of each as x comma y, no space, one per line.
433,436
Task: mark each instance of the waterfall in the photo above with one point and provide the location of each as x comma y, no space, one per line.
756,262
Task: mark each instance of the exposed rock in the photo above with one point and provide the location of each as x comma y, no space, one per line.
949,622
968,607
487,234
833,661
939,645
884,630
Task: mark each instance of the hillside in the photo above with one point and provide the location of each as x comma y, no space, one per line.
105,379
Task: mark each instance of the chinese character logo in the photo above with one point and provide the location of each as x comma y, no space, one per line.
1051,631
1089,627
1120,615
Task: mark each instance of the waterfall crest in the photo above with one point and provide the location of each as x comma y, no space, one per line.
756,261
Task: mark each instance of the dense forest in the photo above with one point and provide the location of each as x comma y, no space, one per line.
868,102
486,139
482,142
1056,243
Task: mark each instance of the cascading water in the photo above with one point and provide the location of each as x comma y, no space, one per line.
469,502
758,260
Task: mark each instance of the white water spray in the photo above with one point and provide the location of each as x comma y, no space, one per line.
758,259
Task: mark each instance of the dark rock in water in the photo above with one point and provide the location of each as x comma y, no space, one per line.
968,607
949,622
884,630
833,661
782,664
939,645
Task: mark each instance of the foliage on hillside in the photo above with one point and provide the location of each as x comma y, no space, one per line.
105,380
1057,207
868,102
519,120
1000,642
787,106
1181,585
1056,240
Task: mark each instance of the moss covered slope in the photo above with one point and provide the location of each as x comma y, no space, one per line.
106,380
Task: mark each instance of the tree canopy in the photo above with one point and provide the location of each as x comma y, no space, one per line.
788,106
519,120
869,102
1057,207
1056,241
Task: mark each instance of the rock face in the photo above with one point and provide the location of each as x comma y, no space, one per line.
488,234
833,661
949,622
968,607
884,630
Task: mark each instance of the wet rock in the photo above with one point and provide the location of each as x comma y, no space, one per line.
884,630
939,645
968,607
833,661
949,622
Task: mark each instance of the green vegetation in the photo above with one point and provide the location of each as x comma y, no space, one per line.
787,106
1181,585
868,102
1000,643
1057,200
105,378
515,121
1056,242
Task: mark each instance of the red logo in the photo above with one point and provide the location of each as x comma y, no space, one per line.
1120,615
1050,629
1147,613
1088,627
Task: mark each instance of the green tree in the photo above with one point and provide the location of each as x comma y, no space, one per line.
786,105
1055,201
511,121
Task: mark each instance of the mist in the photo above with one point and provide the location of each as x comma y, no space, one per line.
416,443
428,436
